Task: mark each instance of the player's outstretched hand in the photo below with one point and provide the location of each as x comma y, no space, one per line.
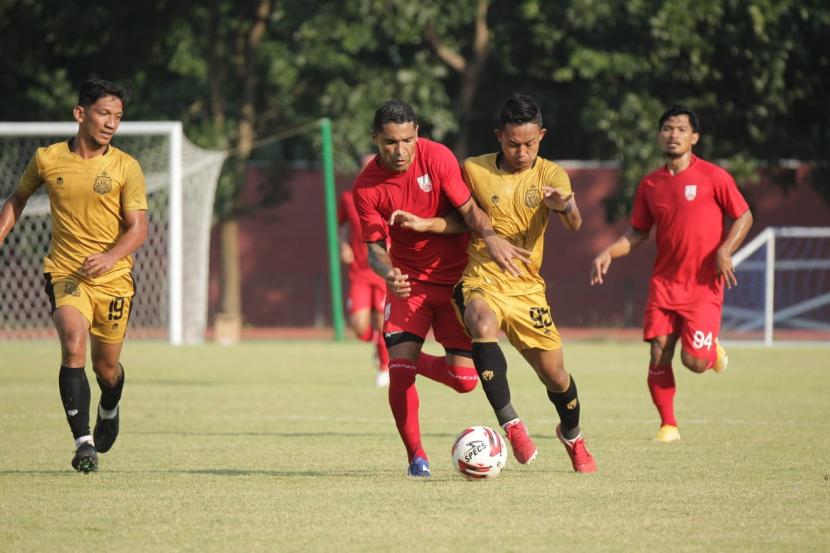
504,253
599,267
398,283
554,199
408,221
726,270
96,265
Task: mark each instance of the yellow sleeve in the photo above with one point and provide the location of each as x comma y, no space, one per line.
30,181
558,178
134,194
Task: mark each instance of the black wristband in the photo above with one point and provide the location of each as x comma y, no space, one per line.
564,211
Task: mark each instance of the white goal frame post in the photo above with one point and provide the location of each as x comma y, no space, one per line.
174,132
767,317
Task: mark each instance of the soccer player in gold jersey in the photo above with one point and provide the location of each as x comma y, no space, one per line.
99,218
519,191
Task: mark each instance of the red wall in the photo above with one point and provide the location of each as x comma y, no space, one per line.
285,261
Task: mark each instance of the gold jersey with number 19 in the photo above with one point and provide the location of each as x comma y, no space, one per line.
514,203
88,198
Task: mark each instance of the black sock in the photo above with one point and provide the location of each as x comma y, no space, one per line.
567,405
110,397
74,388
491,367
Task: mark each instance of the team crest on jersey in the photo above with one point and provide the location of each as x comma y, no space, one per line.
59,182
71,288
424,183
103,184
494,200
532,198
691,191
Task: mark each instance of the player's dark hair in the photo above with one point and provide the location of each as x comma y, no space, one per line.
393,111
676,110
91,90
519,109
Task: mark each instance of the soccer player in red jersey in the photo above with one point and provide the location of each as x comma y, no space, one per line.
367,290
421,177
686,200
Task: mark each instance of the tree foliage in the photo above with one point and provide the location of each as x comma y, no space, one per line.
755,70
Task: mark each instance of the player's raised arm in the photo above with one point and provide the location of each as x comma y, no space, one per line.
622,246
737,232
563,205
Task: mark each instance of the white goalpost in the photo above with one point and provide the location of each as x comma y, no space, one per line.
171,268
783,291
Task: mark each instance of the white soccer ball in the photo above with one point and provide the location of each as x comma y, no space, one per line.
479,453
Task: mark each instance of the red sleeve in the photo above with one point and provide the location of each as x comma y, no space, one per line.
372,224
641,218
342,208
449,173
728,196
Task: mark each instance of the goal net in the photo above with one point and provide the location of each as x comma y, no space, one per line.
783,291
171,267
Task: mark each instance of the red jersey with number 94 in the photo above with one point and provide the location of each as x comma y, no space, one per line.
432,186
688,210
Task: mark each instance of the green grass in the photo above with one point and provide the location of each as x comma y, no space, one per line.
287,446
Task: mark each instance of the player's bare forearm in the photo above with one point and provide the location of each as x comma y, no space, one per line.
381,263
10,213
572,220
737,232
621,246
135,233
448,224
379,259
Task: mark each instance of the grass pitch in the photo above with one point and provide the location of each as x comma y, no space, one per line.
287,446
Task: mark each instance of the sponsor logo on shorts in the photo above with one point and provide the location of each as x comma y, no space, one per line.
487,375
424,183
72,412
71,288
691,191
572,404
103,184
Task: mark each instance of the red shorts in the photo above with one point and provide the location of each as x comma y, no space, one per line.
429,305
366,292
698,326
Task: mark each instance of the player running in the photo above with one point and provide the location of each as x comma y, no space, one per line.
686,200
367,290
99,218
518,190
422,177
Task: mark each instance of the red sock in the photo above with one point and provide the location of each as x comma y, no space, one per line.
460,379
662,388
383,354
403,399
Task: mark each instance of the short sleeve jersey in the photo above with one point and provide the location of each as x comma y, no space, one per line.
431,187
87,198
688,211
514,203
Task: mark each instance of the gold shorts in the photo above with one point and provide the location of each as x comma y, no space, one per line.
526,320
106,306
